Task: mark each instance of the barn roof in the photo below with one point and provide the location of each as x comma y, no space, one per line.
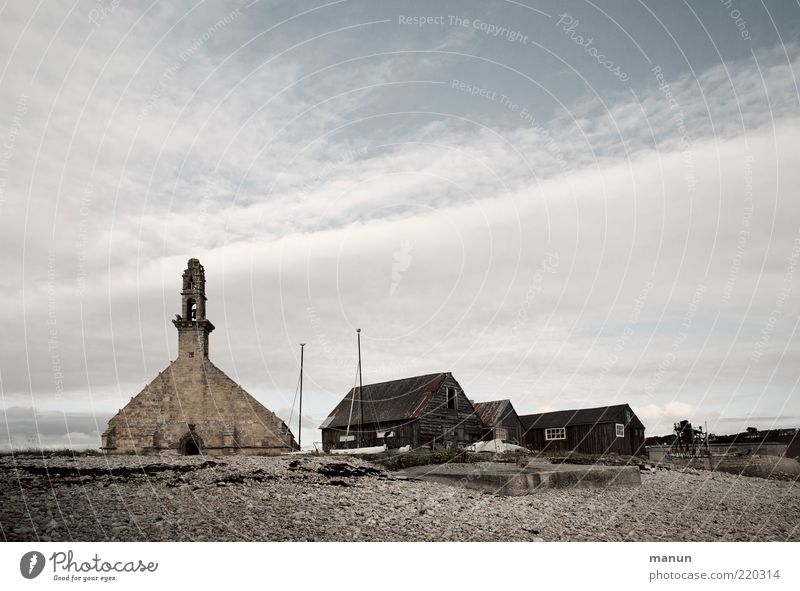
581,416
396,400
491,412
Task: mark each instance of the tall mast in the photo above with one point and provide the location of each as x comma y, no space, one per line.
300,414
360,389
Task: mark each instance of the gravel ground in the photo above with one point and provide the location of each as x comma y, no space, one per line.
342,499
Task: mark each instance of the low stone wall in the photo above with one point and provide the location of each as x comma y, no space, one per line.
757,466
768,448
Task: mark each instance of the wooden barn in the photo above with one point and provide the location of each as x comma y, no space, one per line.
606,429
500,421
424,411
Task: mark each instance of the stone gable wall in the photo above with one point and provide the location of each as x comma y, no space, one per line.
193,391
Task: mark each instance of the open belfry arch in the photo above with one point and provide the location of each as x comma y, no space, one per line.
192,407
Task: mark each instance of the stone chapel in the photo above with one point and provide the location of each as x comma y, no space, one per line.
192,407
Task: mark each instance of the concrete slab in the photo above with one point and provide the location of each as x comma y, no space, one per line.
513,480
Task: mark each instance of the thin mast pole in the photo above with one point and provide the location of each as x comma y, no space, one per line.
300,414
360,389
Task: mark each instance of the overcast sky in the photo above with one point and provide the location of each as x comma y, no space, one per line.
565,204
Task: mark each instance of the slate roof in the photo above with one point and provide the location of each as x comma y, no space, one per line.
491,412
384,402
581,416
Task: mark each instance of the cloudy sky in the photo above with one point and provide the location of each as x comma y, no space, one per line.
565,204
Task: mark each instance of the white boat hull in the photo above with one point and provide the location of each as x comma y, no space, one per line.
360,451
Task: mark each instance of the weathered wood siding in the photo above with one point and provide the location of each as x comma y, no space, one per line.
634,437
440,426
588,439
436,427
592,439
511,423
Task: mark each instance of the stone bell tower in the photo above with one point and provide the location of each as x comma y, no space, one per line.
191,407
193,327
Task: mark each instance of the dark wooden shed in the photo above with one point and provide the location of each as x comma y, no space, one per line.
602,430
500,421
423,411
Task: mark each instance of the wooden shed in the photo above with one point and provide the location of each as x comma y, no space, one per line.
423,411
500,421
602,430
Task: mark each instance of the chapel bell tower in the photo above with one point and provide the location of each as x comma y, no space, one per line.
193,327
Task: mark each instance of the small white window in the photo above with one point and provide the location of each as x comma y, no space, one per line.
555,433
347,438
620,430
384,434
501,433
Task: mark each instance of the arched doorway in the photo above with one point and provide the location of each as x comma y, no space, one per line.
191,444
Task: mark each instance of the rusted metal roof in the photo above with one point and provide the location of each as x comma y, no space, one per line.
384,402
581,416
492,412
